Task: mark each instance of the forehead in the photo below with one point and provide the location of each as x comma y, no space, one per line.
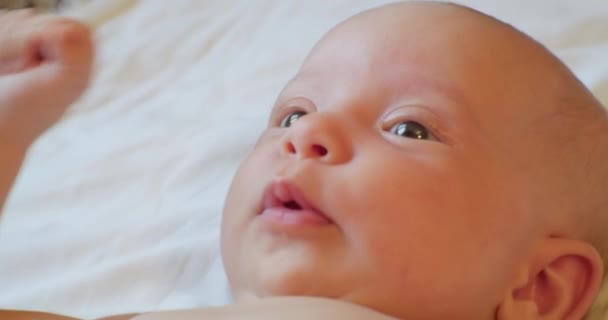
382,66
414,47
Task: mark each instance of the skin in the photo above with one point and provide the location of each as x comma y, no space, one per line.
53,56
410,230
49,56
409,235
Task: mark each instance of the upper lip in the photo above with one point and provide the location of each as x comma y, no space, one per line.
281,192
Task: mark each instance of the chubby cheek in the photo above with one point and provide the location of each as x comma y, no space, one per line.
423,224
418,201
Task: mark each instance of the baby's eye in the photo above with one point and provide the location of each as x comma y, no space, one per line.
410,129
291,118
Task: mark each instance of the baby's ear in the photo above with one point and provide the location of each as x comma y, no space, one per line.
560,281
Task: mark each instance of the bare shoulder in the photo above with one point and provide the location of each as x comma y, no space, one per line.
288,308
30,315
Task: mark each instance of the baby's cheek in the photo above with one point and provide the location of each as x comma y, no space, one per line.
422,280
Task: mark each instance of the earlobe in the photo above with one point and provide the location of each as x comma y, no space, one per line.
516,309
559,282
519,302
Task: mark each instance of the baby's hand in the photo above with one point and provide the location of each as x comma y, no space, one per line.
45,65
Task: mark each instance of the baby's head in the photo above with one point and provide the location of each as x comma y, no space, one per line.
428,162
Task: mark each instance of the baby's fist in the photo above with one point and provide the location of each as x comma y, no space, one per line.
45,65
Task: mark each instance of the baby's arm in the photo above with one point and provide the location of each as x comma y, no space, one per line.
45,64
10,162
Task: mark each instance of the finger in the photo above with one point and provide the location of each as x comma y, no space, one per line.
65,42
27,40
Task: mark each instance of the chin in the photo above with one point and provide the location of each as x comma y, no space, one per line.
290,282
271,276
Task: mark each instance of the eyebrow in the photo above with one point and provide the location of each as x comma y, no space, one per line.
287,93
414,82
417,82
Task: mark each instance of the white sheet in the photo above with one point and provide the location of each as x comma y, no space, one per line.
118,207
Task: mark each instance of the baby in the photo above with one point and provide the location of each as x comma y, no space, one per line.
426,162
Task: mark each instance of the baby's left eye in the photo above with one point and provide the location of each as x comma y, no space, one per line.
411,129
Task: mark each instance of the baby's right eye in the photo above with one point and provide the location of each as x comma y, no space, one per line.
291,118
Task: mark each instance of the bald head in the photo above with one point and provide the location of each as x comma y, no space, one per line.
486,63
502,92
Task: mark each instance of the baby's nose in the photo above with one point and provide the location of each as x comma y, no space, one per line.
318,136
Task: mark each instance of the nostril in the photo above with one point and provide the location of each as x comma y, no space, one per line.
291,148
319,150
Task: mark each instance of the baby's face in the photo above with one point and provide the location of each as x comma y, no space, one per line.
385,177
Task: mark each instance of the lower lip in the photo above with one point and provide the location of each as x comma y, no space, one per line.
281,216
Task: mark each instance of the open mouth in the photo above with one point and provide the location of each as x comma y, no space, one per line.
293,205
282,193
285,203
